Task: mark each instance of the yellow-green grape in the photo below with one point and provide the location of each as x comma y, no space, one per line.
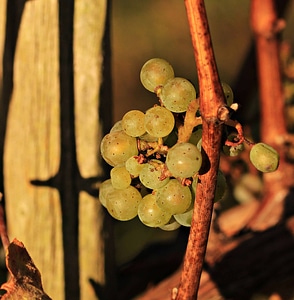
177,94
159,121
174,197
116,147
133,166
104,189
221,186
133,123
151,174
171,225
155,73
264,157
183,160
228,92
150,213
120,177
122,204
185,218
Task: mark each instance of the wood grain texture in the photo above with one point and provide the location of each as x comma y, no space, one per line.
32,148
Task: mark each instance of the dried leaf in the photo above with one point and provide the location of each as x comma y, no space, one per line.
25,279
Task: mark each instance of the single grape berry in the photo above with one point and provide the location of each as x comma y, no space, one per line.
159,121
150,213
174,197
183,160
264,157
116,147
176,94
133,123
155,73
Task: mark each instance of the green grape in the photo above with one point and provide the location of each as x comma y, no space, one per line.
159,121
185,218
116,127
155,73
221,186
196,137
151,214
133,123
151,174
183,160
120,177
133,166
176,94
264,157
171,225
228,92
122,204
104,189
174,197
116,147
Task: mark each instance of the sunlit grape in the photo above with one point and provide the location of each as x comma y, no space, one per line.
264,157
116,147
171,225
120,177
155,72
133,123
177,93
133,166
104,189
122,204
174,197
151,174
150,213
183,160
185,218
159,121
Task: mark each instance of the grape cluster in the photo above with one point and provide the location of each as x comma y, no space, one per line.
153,175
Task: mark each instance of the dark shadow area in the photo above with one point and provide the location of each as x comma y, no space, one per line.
263,263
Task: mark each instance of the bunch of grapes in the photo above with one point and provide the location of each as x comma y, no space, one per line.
153,175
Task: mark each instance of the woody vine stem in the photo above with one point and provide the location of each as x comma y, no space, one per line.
211,100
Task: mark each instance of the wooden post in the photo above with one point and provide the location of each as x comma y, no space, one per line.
52,138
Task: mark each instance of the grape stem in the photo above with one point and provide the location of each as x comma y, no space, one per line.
190,121
211,99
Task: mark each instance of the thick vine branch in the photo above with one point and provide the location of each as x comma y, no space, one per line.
211,99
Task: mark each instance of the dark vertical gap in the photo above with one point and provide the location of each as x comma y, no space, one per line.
105,112
68,174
